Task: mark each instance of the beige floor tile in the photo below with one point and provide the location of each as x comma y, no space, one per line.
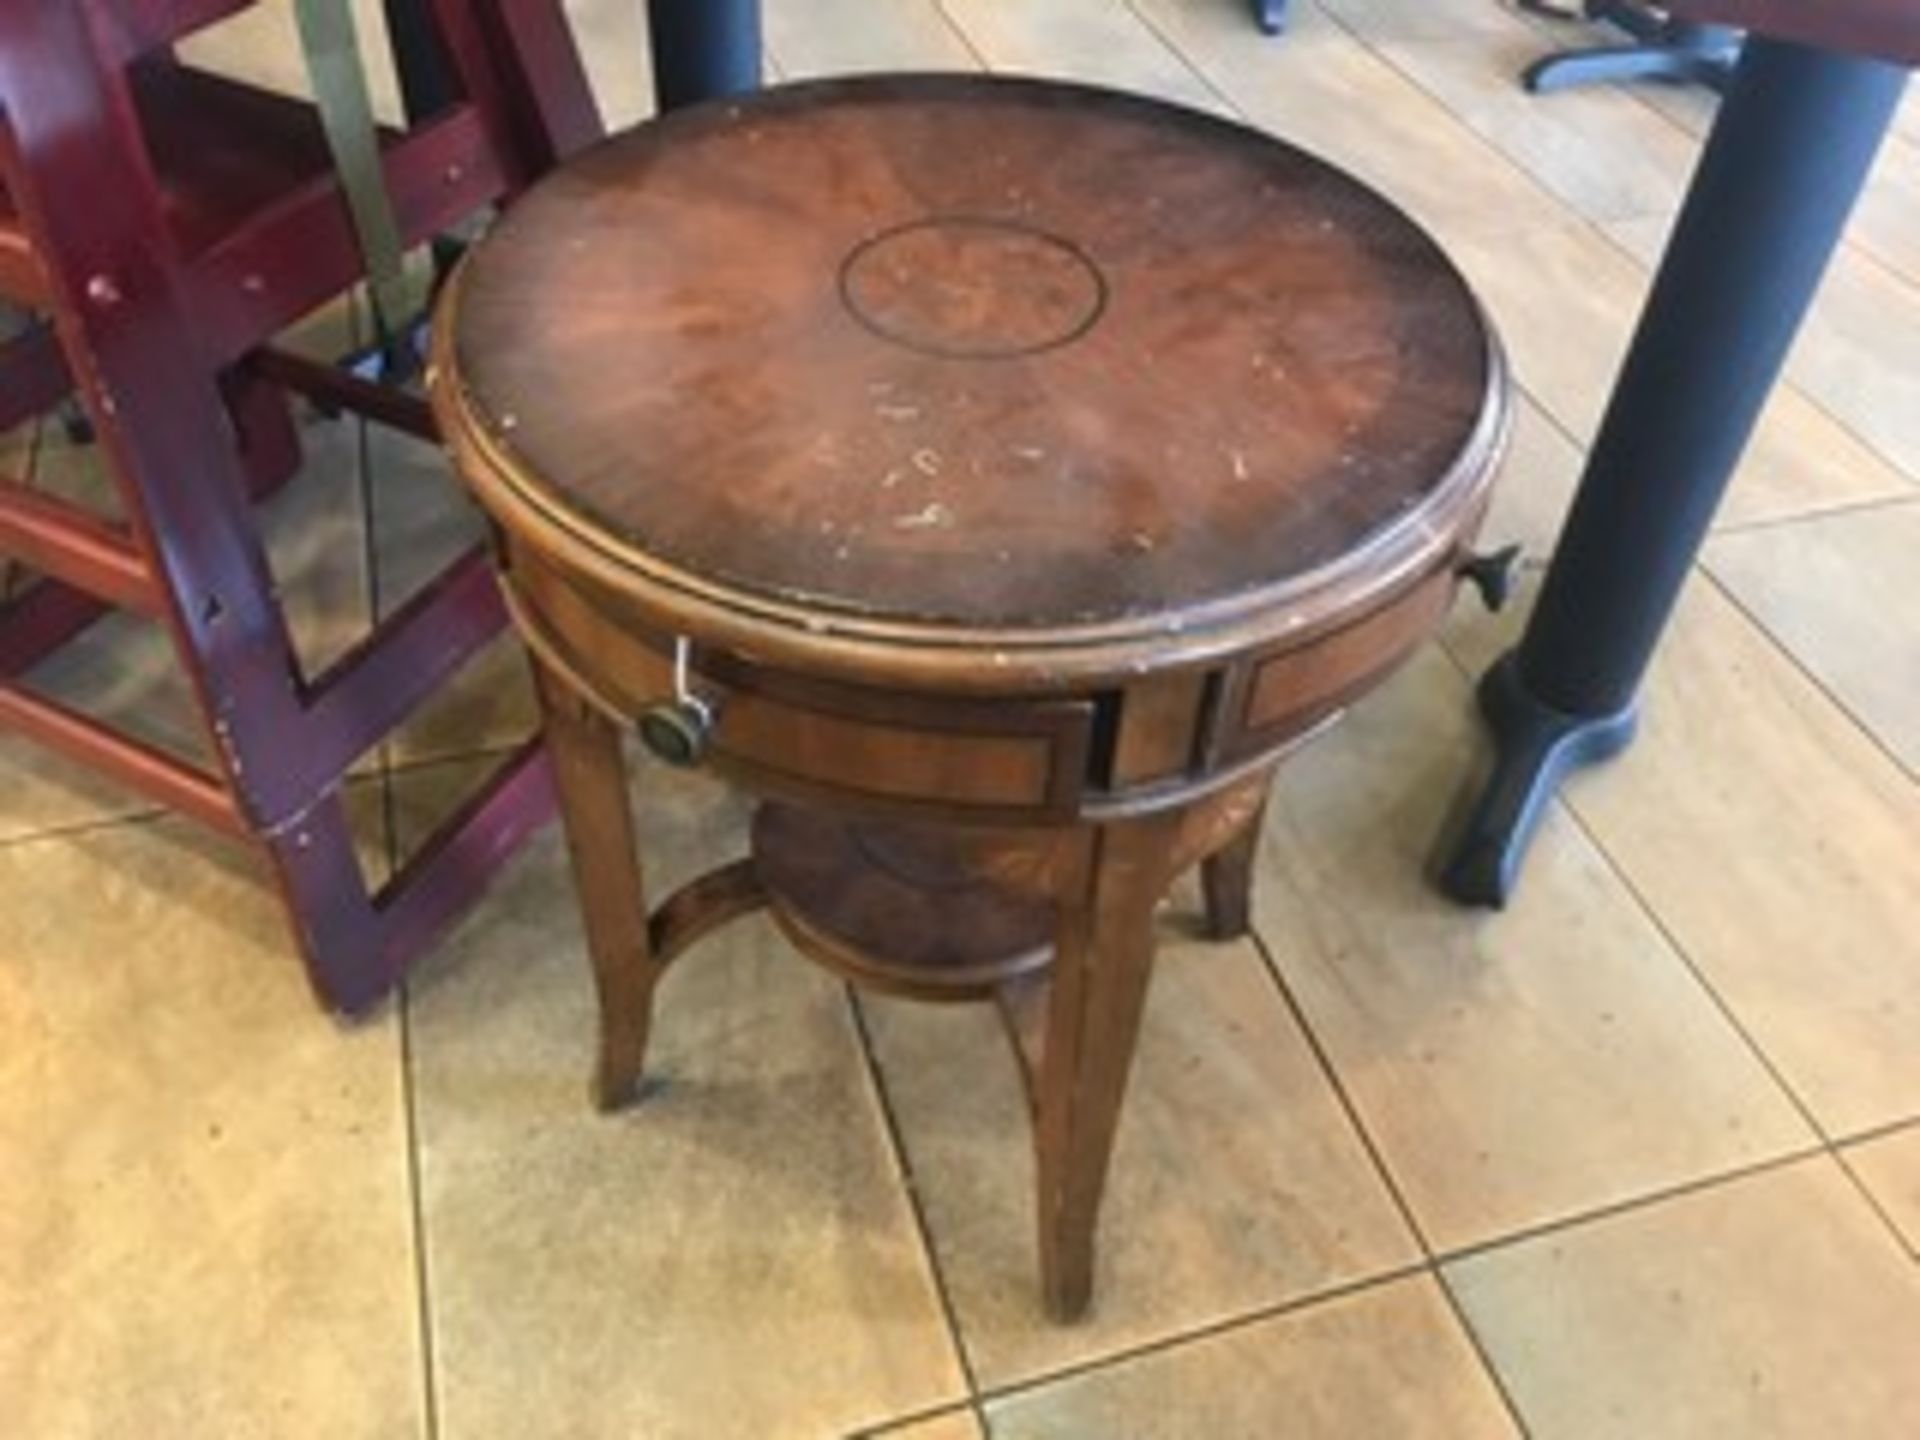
1691,107
1390,1361
1093,41
1890,1169
1781,850
1565,299
1396,20
40,793
1321,89
833,37
954,1425
1775,1306
1606,156
1858,356
261,45
1837,592
1511,1068
614,46
734,1257
1886,223
1236,1181
205,1225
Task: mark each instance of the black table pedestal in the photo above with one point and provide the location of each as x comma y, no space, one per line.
1786,160
703,48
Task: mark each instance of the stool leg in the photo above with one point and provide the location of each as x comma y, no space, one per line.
1226,879
1103,962
590,775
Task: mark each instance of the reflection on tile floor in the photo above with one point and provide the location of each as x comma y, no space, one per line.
1639,1157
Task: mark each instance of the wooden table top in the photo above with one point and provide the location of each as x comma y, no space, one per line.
970,356
1884,29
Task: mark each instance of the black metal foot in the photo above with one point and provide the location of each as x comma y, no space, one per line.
1664,48
1615,64
1535,746
1270,15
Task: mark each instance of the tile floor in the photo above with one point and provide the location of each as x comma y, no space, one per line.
1639,1157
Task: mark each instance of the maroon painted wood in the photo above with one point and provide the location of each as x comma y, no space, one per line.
169,223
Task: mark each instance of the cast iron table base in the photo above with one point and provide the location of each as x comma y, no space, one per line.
1786,160
1663,48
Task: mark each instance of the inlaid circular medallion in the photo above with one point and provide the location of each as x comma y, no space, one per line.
973,288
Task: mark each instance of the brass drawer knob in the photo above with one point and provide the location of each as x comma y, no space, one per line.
680,731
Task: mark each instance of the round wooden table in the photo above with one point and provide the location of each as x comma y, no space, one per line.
997,477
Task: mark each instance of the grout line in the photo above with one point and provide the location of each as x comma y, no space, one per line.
1900,1239
907,1419
387,772
422,1268
1194,67
1615,1209
903,1164
1827,1144
1480,1350
1727,1013
1345,1100
1824,512
960,33
1385,1172
1213,1329
1777,643
1880,1132
1681,953
75,829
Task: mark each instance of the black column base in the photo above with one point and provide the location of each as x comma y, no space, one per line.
1663,48
1535,747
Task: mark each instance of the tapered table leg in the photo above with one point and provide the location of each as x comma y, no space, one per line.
1226,880
590,774
1103,961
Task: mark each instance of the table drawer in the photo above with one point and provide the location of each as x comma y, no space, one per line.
990,760
1278,695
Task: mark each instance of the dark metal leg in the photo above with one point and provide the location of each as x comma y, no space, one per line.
1271,15
704,48
1778,179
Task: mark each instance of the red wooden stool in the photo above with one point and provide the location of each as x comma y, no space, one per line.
166,223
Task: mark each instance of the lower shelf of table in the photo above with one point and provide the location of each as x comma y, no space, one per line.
905,909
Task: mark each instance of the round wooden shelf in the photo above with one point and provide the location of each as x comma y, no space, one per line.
902,908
